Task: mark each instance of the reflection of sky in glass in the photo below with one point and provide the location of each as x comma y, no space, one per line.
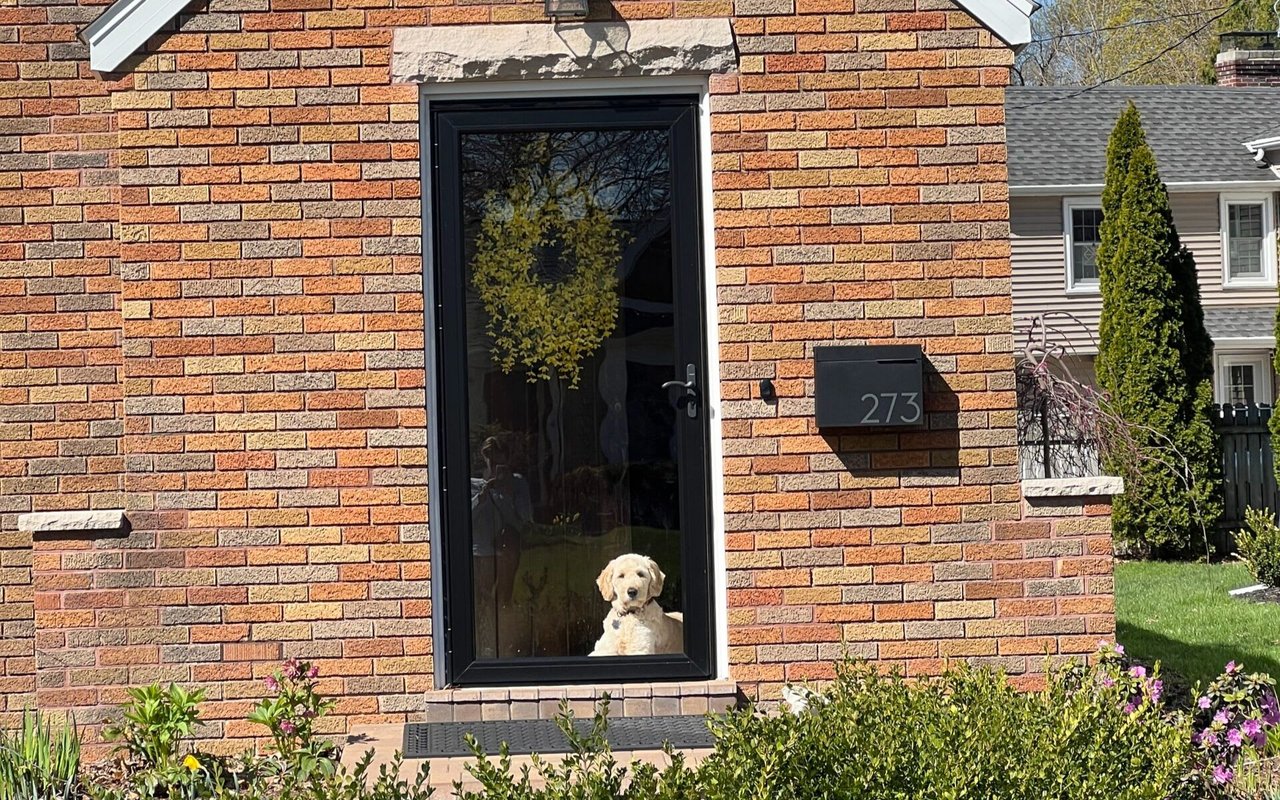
627,170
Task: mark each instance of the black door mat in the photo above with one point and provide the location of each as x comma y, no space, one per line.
543,736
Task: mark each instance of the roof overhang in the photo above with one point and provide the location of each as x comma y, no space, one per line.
1051,189
1265,152
126,25
1010,20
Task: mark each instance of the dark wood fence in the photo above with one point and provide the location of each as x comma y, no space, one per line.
1248,465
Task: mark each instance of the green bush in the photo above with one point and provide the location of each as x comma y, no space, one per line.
1155,359
1259,545
969,734
39,762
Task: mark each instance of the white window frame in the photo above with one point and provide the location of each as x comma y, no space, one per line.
1070,204
1260,360
1267,201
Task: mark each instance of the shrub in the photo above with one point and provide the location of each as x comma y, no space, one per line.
970,733
39,762
157,724
1155,363
589,770
290,715
1259,545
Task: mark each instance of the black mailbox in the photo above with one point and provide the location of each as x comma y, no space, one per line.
857,386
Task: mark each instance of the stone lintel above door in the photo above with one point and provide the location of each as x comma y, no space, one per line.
457,53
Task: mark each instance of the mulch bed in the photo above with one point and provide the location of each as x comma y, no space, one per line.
1271,594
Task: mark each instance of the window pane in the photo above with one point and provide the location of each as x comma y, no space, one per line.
570,469
1240,384
1245,240
1086,233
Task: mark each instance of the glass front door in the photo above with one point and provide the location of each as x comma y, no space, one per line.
570,335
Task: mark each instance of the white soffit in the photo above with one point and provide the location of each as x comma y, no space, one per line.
124,28
1008,19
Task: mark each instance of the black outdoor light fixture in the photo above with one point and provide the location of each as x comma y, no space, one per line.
560,9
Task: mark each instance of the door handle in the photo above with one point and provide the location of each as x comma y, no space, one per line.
690,387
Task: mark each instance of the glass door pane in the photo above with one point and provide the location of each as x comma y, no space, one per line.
576,271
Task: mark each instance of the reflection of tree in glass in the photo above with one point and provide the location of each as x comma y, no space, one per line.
545,267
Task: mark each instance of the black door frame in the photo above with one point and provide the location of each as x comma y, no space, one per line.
445,292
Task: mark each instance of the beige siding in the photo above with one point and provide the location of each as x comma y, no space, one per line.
1039,266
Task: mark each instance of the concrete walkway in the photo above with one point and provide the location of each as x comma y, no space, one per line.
385,740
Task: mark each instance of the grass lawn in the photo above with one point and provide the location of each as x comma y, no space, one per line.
1180,615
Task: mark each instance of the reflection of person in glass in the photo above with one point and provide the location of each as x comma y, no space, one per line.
500,508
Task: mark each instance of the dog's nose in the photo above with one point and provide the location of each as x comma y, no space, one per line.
632,593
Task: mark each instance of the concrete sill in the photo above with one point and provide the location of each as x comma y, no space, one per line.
72,521
1101,486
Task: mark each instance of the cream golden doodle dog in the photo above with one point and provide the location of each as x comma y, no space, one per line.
637,625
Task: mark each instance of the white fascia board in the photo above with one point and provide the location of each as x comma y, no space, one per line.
124,28
1008,19
1269,143
1050,189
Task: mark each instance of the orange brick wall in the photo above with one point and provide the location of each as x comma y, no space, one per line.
216,322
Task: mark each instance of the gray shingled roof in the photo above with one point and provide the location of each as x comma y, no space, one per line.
1238,322
1058,136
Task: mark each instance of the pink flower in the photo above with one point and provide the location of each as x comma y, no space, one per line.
1156,690
273,685
1234,737
1129,708
313,672
1204,702
1108,681
1119,649
1232,668
1209,739
1138,671
1222,717
1222,775
288,727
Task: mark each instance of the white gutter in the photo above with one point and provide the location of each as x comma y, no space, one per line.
1049,189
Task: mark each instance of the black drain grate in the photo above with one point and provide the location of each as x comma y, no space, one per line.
543,736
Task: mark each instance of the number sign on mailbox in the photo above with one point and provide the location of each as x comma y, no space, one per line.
858,386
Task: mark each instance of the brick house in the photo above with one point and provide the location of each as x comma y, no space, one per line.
233,387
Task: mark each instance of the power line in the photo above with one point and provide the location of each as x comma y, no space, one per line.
1131,24
1145,63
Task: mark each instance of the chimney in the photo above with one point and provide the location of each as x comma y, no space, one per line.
1248,58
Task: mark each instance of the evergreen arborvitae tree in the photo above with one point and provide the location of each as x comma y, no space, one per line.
1155,358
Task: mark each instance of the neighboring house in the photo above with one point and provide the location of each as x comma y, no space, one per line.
253,398
1223,200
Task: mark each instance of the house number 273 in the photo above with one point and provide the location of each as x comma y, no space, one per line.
895,401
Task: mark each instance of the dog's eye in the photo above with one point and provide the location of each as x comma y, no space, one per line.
639,574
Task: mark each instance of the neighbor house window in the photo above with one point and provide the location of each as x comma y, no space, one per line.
1083,224
1248,242
1244,379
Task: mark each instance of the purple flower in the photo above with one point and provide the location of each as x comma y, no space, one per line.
1209,739
273,685
1129,708
1270,709
313,672
1251,727
1108,681
1222,775
1234,737
1138,671
1222,717
292,669
1156,690
1119,649
1232,668
1204,702
288,727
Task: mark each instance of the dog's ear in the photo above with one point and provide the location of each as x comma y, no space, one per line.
655,586
605,583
